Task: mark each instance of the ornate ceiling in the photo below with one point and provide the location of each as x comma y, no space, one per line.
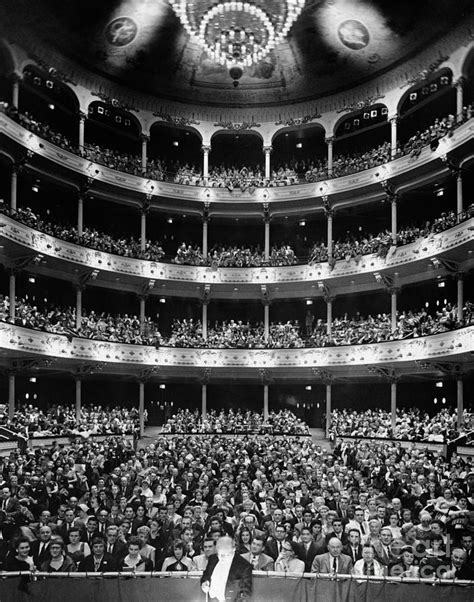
334,45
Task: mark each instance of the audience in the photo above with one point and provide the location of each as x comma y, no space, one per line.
235,422
278,492
30,421
411,425
244,178
219,256
236,333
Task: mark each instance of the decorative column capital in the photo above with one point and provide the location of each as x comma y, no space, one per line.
145,205
326,377
329,140
394,119
145,137
82,115
267,149
388,374
206,295
205,376
206,148
205,213
264,376
16,78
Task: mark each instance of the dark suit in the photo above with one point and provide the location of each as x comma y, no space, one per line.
271,548
307,555
239,581
119,550
350,552
108,563
38,558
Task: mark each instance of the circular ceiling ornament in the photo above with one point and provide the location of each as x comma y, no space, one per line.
353,34
237,34
121,31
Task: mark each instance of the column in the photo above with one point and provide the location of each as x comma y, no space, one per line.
328,408
13,187
144,138
265,403
460,299
393,309
329,301
143,213
203,400
11,395
205,224
12,296
141,407
459,195
142,311
393,135
393,203
266,320
205,303
329,215
80,214
330,143
266,220
459,400
78,400
82,123
79,290
268,171
459,98
393,403
15,90
205,163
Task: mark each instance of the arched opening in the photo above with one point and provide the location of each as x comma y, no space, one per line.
468,73
113,128
435,96
6,68
49,101
235,150
361,131
175,147
299,148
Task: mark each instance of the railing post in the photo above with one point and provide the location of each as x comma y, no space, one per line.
459,400
205,162
205,230
393,136
14,188
141,406
78,383
12,296
268,171
330,143
82,123
16,79
459,85
460,296
144,138
328,407
459,195
11,394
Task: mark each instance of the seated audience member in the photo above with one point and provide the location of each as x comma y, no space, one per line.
178,561
407,566
76,549
257,558
306,549
333,561
20,560
99,561
133,561
367,565
59,561
208,548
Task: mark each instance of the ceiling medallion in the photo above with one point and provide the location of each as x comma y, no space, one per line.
237,34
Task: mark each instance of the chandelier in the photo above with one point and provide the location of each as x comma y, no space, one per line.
237,34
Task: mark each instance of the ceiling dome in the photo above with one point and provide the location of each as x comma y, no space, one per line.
331,46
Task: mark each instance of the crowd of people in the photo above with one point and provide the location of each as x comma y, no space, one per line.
241,178
235,422
237,333
285,505
30,421
410,425
220,256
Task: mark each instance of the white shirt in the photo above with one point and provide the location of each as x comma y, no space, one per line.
219,578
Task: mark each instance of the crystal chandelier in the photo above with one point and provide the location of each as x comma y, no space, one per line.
237,34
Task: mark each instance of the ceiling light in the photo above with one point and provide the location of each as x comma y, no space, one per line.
162,300
308,387
309,302
35,188
32,379
162,386
440,192
237,34
51,106
439,384
299,145
31,280
302,222
170,220
175,143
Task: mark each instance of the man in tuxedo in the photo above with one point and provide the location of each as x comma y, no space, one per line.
353,547
306,550
228,577
334,561
99,561
10,514
274,544
39,549
257,558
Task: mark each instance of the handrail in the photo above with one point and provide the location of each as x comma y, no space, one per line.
272,574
